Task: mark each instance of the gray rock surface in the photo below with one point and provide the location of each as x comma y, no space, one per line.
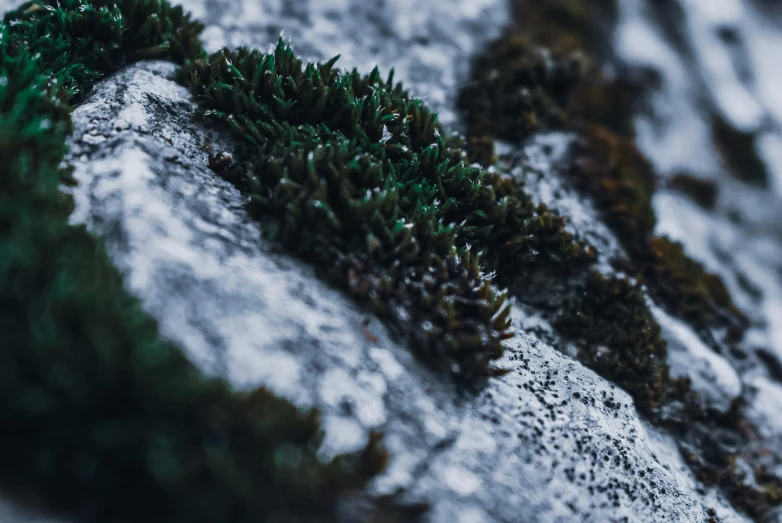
549,442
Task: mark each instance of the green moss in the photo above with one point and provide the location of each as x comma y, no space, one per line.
540,76
520,86
357,177
101,418
703,192
79,41
738,152
618,337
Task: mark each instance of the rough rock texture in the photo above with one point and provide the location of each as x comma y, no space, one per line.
717,60
550,441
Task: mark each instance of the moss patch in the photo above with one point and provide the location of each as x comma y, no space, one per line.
527,81
690,292
619,338
621,181
101,418
354,175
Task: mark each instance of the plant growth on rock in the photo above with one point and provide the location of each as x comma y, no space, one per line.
354,175
101,418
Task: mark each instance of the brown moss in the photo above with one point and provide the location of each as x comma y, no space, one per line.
701,191
518,88
566,25
717,448
688,291
621,180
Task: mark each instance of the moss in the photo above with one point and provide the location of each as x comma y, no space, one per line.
690,292
80,41
101,418
518,88
566,25
618,337
541,75
703,192
738,152
357,177
715,446
754,501
616,174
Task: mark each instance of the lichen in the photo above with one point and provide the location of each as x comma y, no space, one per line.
359,178
102,419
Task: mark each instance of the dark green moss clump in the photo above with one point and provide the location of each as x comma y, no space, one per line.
81,41
101,418
618,337
357,177
738,152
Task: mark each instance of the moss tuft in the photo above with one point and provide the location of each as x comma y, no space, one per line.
618,337
615,173
518,89
79,41
566,25
357,177
688,291
101,418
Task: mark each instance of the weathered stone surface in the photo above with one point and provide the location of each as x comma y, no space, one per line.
550,441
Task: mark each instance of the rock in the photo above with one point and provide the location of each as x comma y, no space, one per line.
550,440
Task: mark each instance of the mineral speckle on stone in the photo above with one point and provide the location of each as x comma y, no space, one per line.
550,441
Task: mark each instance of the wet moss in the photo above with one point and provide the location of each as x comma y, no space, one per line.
102,419
618,337
357,177
738,152
703,192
